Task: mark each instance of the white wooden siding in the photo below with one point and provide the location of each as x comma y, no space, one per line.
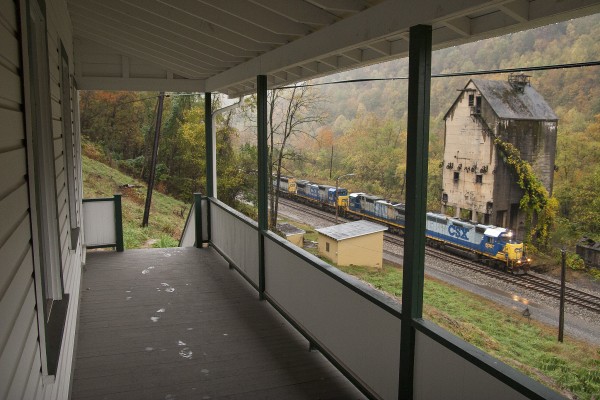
20,360
18,331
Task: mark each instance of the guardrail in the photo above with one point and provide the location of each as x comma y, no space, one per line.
196,231
103,223
355,326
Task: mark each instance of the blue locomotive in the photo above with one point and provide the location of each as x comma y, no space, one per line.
494,246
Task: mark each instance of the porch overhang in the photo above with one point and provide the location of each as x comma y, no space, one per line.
210,45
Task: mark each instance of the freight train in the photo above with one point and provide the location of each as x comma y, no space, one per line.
492,245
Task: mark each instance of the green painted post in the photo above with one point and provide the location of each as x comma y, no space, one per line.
263,178
198,219
208,128
119,223
419,72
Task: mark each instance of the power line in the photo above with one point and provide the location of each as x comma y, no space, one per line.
455,74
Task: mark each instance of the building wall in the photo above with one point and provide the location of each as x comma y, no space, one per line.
22,341
364,250
297,239
468,143
328,248
469,151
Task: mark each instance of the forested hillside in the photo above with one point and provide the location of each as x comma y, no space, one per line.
365,129
368,120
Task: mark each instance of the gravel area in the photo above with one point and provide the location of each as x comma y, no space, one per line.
579,323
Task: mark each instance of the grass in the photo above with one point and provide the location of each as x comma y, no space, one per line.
167,215
572,367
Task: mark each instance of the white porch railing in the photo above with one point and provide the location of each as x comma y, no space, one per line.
357,327
103,223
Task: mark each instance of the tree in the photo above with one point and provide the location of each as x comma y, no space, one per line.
292,113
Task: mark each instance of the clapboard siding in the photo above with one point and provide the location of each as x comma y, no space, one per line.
10,47
20,288
12,130
12,253
13,167
17,386
17,343
35,379
8,16
20,351
10,85
12,210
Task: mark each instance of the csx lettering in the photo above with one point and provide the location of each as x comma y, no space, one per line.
458,231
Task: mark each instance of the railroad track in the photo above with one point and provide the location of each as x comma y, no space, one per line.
534,283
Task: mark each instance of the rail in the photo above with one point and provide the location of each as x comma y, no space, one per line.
354,325
103,223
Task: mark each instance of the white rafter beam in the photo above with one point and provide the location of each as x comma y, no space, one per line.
299,11
519,10
389,19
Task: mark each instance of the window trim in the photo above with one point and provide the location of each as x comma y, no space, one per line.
51,301
68,153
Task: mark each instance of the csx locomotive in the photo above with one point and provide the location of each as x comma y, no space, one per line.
492,245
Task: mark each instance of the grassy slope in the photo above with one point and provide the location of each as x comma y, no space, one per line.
572,367
167,215
529,346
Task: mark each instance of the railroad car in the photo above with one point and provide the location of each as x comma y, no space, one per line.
311,193
492,245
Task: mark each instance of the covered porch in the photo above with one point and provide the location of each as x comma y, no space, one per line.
178,324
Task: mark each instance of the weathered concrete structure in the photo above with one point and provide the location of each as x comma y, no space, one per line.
477,182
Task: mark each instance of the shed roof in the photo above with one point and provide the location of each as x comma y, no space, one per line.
351,230
509,103
289,229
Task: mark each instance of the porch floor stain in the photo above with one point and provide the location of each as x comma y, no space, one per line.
174,324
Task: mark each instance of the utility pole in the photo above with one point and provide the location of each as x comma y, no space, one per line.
561,316
159,111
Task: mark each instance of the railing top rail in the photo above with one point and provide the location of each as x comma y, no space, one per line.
98,199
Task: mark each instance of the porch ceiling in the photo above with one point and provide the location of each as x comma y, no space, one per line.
221,45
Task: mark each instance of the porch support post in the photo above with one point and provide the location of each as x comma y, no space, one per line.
198,219
263,178
119,223
211,167
419,71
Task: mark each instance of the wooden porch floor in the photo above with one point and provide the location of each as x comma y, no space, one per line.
178,324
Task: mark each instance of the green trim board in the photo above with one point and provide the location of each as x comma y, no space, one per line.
98,199
419,71
119,224
198,219
264,180
208,128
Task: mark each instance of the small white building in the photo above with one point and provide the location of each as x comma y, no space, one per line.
354,243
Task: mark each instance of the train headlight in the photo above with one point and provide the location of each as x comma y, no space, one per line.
529,260
519,262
